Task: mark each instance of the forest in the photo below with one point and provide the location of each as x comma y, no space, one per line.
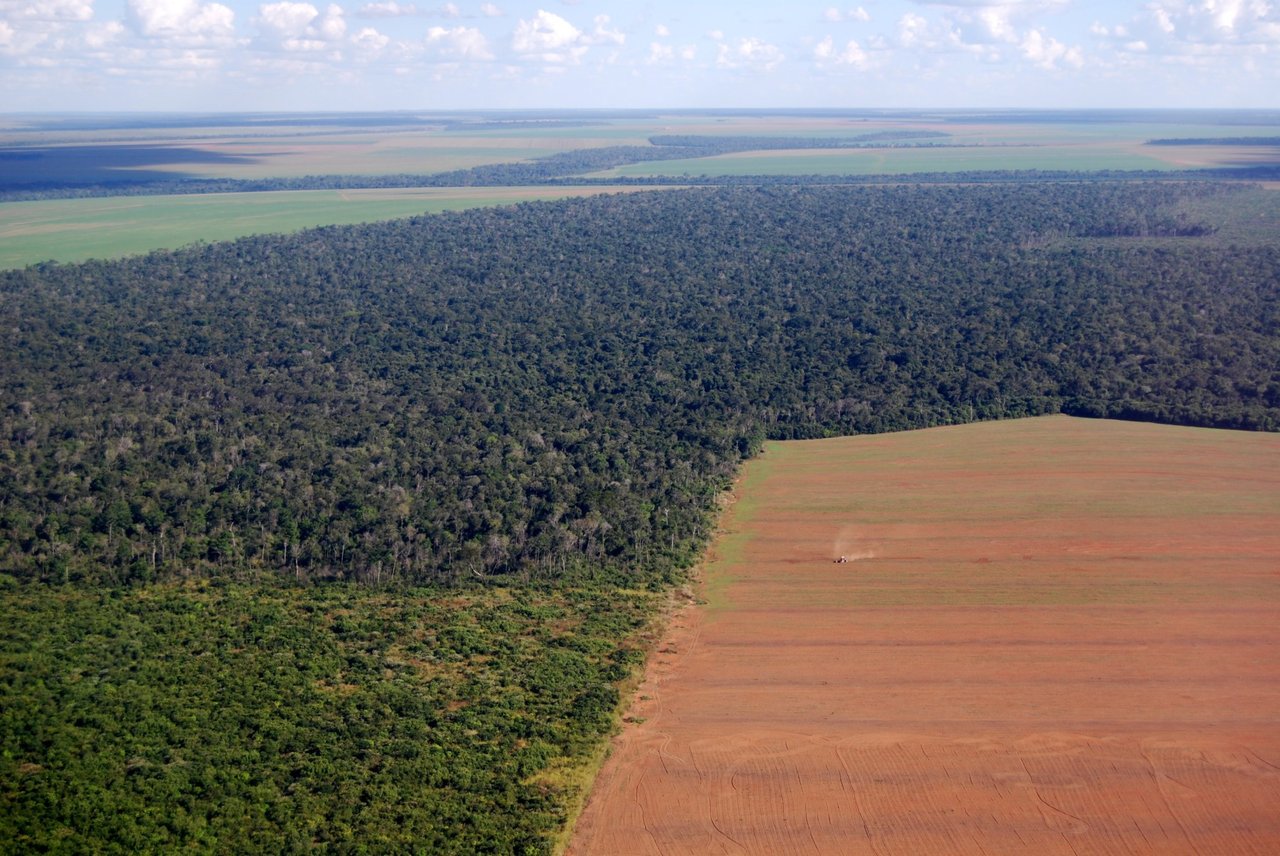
563,388
410,489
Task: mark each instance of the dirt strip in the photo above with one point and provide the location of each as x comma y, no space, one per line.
1049,636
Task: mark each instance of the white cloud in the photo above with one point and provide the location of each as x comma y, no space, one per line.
911,29
1023,6
301,27
750,53
1047,52
1195,31
996,21
42,33
1222,21
662,54
983,27
851,55
602,35
661,31
97,38
369,42
450,10
716,35
387,9
181,19
287,18
491,11
48,10
551,39
835,15
460,43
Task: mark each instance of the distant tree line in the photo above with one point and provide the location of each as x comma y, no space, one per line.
1216,141
559,390
724,144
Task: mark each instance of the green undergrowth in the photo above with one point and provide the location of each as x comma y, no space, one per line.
242,718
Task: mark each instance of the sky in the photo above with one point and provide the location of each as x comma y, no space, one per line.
237,55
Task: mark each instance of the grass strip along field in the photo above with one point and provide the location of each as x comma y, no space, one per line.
71,230
1050,635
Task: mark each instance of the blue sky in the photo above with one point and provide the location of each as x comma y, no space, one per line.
423,54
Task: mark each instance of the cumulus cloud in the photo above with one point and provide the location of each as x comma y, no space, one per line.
552,39
548,37
31,29
48,10
996,21
661,31
460,43
181,19
1047,52
1020,5
852,54
750,53
663,54
602,35
836,15
490,11
300,26
368,42
988,29
387,9
1196,31
912,29
1217,21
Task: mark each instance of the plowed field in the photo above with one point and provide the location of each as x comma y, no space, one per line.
1050,636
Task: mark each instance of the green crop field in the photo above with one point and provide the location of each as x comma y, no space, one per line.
70,230
899,161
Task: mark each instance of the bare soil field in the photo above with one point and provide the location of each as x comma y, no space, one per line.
1051,636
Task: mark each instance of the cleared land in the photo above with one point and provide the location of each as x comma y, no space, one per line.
1052,636
71,230
898,161
51,151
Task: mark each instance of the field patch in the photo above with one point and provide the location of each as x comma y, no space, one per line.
72,230
1050,635
898,161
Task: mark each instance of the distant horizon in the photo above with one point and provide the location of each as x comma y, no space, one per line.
381,55
605,112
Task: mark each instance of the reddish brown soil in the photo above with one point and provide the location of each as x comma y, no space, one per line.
1054,636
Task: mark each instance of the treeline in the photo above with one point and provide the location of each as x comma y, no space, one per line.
724,144
1216,141
563,389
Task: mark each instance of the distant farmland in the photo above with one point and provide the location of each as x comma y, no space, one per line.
71,230
94,157
896,161
1051,635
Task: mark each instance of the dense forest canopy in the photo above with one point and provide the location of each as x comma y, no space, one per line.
562,389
